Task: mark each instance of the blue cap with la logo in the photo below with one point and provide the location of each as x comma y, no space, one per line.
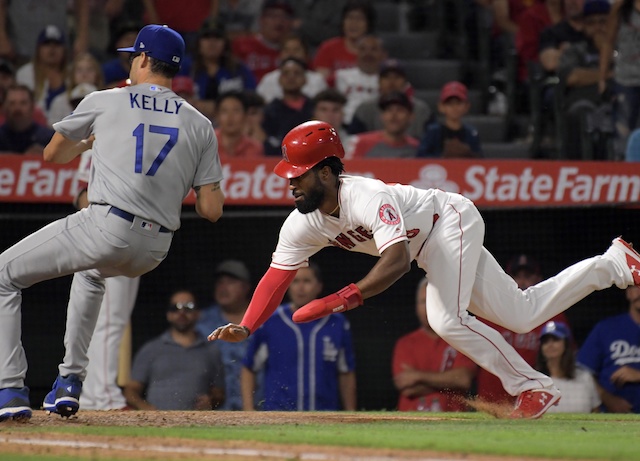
159,42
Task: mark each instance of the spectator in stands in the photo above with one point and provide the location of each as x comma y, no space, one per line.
23,21
231,117
179,370
183,19
7,80
281,115
622,36
392,78
526,272
556,358
115,71
239,17
216,70
184,87
531,23
632,154
429,374
307,366
328,106
293,47
85,70
318,20
360,83
554,40
255,117
46,73
451,138
610,352
261,51
579,70
396,112
358,20
20,134
231,292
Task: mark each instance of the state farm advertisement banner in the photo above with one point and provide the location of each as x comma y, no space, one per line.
489,183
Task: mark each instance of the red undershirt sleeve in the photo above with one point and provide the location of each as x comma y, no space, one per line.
267,297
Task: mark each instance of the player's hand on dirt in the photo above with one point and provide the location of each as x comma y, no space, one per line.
230,332
624,375
344,300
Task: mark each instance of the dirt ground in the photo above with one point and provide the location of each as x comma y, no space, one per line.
150,448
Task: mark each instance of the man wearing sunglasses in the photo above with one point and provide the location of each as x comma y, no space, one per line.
177,370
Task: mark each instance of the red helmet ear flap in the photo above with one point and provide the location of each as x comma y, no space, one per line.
305,146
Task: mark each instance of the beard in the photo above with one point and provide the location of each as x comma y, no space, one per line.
311,201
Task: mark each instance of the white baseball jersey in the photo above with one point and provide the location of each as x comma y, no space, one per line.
445,233
166,140
373,216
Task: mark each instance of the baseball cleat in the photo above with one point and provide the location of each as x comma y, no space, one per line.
14,404
64,397
535,403
631,257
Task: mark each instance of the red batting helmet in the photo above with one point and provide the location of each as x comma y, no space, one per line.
307,145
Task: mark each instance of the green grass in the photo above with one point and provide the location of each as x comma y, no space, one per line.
598,437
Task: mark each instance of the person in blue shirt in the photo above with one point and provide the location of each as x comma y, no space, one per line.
307,366
612,353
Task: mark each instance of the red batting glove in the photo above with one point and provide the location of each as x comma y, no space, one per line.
342,301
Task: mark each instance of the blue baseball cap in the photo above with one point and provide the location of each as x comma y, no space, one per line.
557,329
159,42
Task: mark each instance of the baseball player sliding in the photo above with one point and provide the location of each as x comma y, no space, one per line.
150,147
444,233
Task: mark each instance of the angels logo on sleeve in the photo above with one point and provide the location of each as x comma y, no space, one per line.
389,215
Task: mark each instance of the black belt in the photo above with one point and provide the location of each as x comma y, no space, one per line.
129,217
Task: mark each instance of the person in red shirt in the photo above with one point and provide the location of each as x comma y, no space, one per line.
396,112
526,272
231,117
430,374
336,53
261,52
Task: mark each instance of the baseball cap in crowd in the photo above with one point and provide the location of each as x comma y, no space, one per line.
392,65
557,329
159,42
596,7
520,262
278,4
50,34
234,268
182,84
6,67
454,90
81,90
395,97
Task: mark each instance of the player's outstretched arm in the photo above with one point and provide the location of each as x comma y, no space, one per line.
266,298
393,264
62,150
209,201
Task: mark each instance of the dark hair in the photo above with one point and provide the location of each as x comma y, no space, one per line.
330,95
625,10
300,39
294,60
335,163
366,8
315,268
253,99
567,361
163,68
21,87
237,95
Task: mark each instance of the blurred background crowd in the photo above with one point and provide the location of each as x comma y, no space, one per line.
398,78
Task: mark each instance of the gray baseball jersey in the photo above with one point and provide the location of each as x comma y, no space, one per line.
170,147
